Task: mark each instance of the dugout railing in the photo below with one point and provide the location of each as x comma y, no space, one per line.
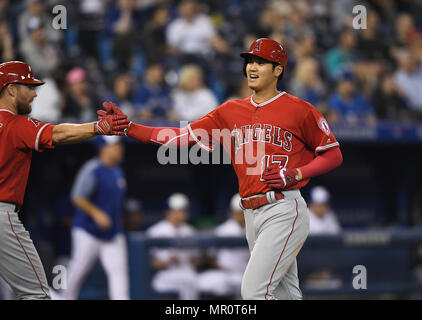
392,259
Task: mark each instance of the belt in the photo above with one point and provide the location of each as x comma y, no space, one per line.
256,202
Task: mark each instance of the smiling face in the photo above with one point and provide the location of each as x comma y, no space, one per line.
262,74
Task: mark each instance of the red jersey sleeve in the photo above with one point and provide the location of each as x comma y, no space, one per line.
207,131
33,134
317,134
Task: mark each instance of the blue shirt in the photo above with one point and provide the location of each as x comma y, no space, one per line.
357,106
156,99
105,187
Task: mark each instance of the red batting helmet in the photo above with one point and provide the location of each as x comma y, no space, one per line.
17,72
267,49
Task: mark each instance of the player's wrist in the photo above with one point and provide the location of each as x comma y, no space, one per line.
126,131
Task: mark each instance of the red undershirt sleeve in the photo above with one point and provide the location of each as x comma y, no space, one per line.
172,137
322,163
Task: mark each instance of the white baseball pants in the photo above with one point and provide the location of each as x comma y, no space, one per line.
113,257
275,234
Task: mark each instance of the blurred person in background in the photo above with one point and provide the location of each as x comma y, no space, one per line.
152,97
47,107
306,82
371,42
97,232
389,101
323,220
341,58
176,268
192,99
153,36
124,20
192,35
7,51
37,9
348,104
242,91
408,77
405,30
122,93
230,263
80,102
89,27
42,54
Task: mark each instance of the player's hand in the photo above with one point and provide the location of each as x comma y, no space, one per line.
111,124
280,178
112,109
102,220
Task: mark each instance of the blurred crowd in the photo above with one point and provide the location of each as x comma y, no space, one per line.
179,59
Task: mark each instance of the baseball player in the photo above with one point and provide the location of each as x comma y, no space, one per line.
277,142
175,267
97,232
20,265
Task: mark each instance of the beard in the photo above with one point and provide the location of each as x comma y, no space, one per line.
24,108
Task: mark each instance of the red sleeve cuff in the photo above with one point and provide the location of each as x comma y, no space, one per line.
324,162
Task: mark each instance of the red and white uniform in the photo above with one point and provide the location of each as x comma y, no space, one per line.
284,130
19,136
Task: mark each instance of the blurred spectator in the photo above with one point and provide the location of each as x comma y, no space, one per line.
81,103
349,105
152,97
406,32
322,219
122,93
192,99
230,263
341,57
90,25
38,51
124,20
37,9
193,33
305,47
47,105
175,267
242,91
371,43
389,102
409,79
7,52
153,37
306,82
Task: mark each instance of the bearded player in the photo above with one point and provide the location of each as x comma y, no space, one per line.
20,265
290,141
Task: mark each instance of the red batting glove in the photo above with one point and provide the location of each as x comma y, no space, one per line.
280,178
122,125
111,124
111,108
